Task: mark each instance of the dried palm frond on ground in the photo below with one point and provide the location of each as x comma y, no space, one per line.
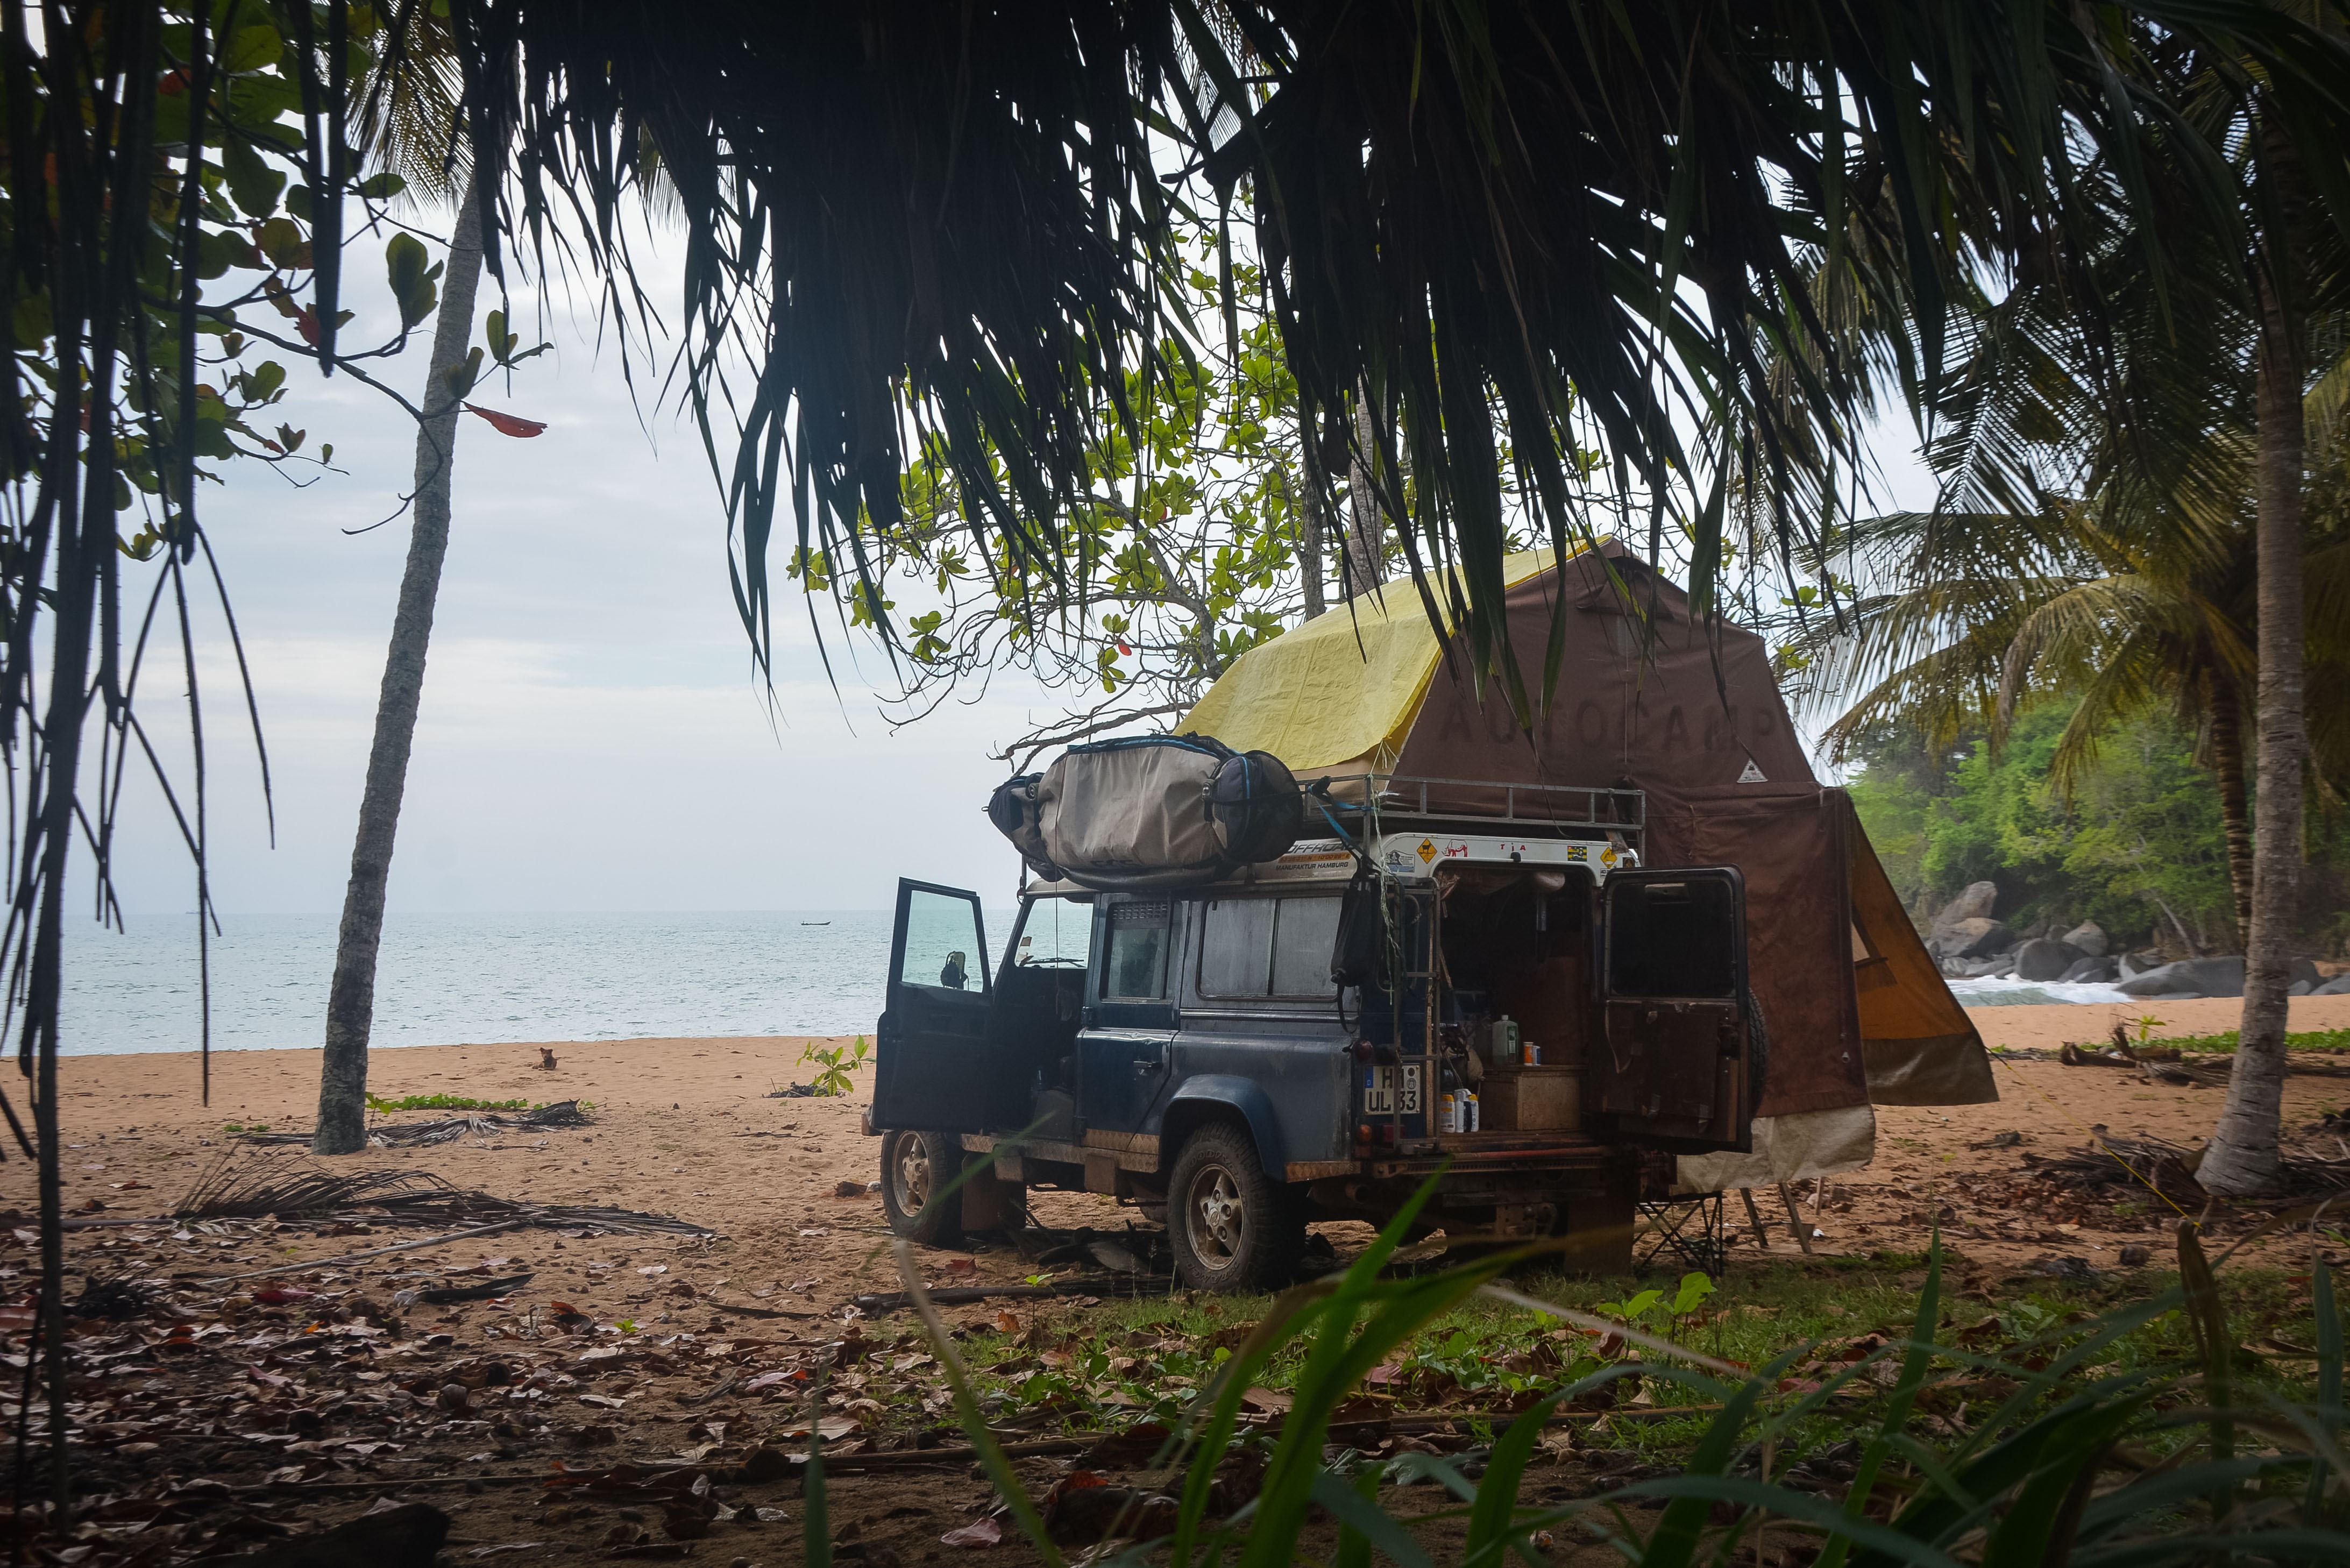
2170,1169
445,1129
290,1188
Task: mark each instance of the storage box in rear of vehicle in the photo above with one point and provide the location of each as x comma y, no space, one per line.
1532,1099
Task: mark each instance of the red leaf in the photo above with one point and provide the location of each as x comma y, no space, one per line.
979,1532
308,321
278,1295
507,424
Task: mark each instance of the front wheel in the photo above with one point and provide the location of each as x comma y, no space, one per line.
1231,1225
915,1167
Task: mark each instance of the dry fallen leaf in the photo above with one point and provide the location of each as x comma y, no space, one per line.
1007,1321
980,1533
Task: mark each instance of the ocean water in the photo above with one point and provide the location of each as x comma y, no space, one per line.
444,979
2027,992
487,979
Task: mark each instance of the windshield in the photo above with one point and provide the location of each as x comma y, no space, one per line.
1055,931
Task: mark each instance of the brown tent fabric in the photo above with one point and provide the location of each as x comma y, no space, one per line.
1700,725
1789,842
1920,1046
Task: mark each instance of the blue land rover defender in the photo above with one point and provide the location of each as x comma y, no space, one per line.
1306,1039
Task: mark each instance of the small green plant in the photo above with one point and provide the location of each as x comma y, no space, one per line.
2145,1024
836,1063
445,1103
2228,1040
1694,1289
625,1325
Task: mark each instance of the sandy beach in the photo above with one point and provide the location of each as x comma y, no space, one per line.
685,1127
645,1346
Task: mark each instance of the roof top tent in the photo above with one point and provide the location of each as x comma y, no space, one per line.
1680,753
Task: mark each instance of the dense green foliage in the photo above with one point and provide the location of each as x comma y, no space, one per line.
2137,847
2140,1434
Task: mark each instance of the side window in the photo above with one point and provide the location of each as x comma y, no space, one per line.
1134,956
1268,946
1303,936
1236,948
1673,939
944,946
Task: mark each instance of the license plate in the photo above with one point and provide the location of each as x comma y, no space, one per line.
1380,1091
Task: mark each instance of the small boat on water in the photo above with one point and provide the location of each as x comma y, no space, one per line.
815,922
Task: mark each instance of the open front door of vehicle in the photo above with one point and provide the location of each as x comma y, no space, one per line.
1676,1067
933,1069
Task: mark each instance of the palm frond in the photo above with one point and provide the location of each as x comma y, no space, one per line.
1515,227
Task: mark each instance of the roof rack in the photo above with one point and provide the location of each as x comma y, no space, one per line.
1586,808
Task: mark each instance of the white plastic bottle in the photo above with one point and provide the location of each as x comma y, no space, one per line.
1468,1111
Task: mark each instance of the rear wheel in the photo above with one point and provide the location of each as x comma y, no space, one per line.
1231,1225
915,1167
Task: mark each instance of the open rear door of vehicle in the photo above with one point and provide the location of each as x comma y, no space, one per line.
1677,1066
934,1069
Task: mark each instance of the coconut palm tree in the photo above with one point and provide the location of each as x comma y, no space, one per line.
405,116
2116,519
1504,231
1507,233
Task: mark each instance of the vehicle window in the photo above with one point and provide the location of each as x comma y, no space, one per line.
943,946
1058,933
1304,934
1673,939
1236,948
1135,961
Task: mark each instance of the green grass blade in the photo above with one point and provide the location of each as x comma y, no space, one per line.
1354,1546
992,1456
1497,1493
1335,1369
1944,1514
1885,1541
2040,1525
1914,1368
1678,1534
2295,1545
2209,1315
2154,1495
2329,1373
1367,1520
815,1524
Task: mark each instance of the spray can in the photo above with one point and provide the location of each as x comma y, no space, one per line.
1468,1111
1448,1112
1531,1050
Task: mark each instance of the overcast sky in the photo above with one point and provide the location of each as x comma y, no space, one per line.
593,736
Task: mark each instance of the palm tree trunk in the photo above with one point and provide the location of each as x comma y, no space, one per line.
350,1004
2242,1158
1306,493
2235,813
1365,530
